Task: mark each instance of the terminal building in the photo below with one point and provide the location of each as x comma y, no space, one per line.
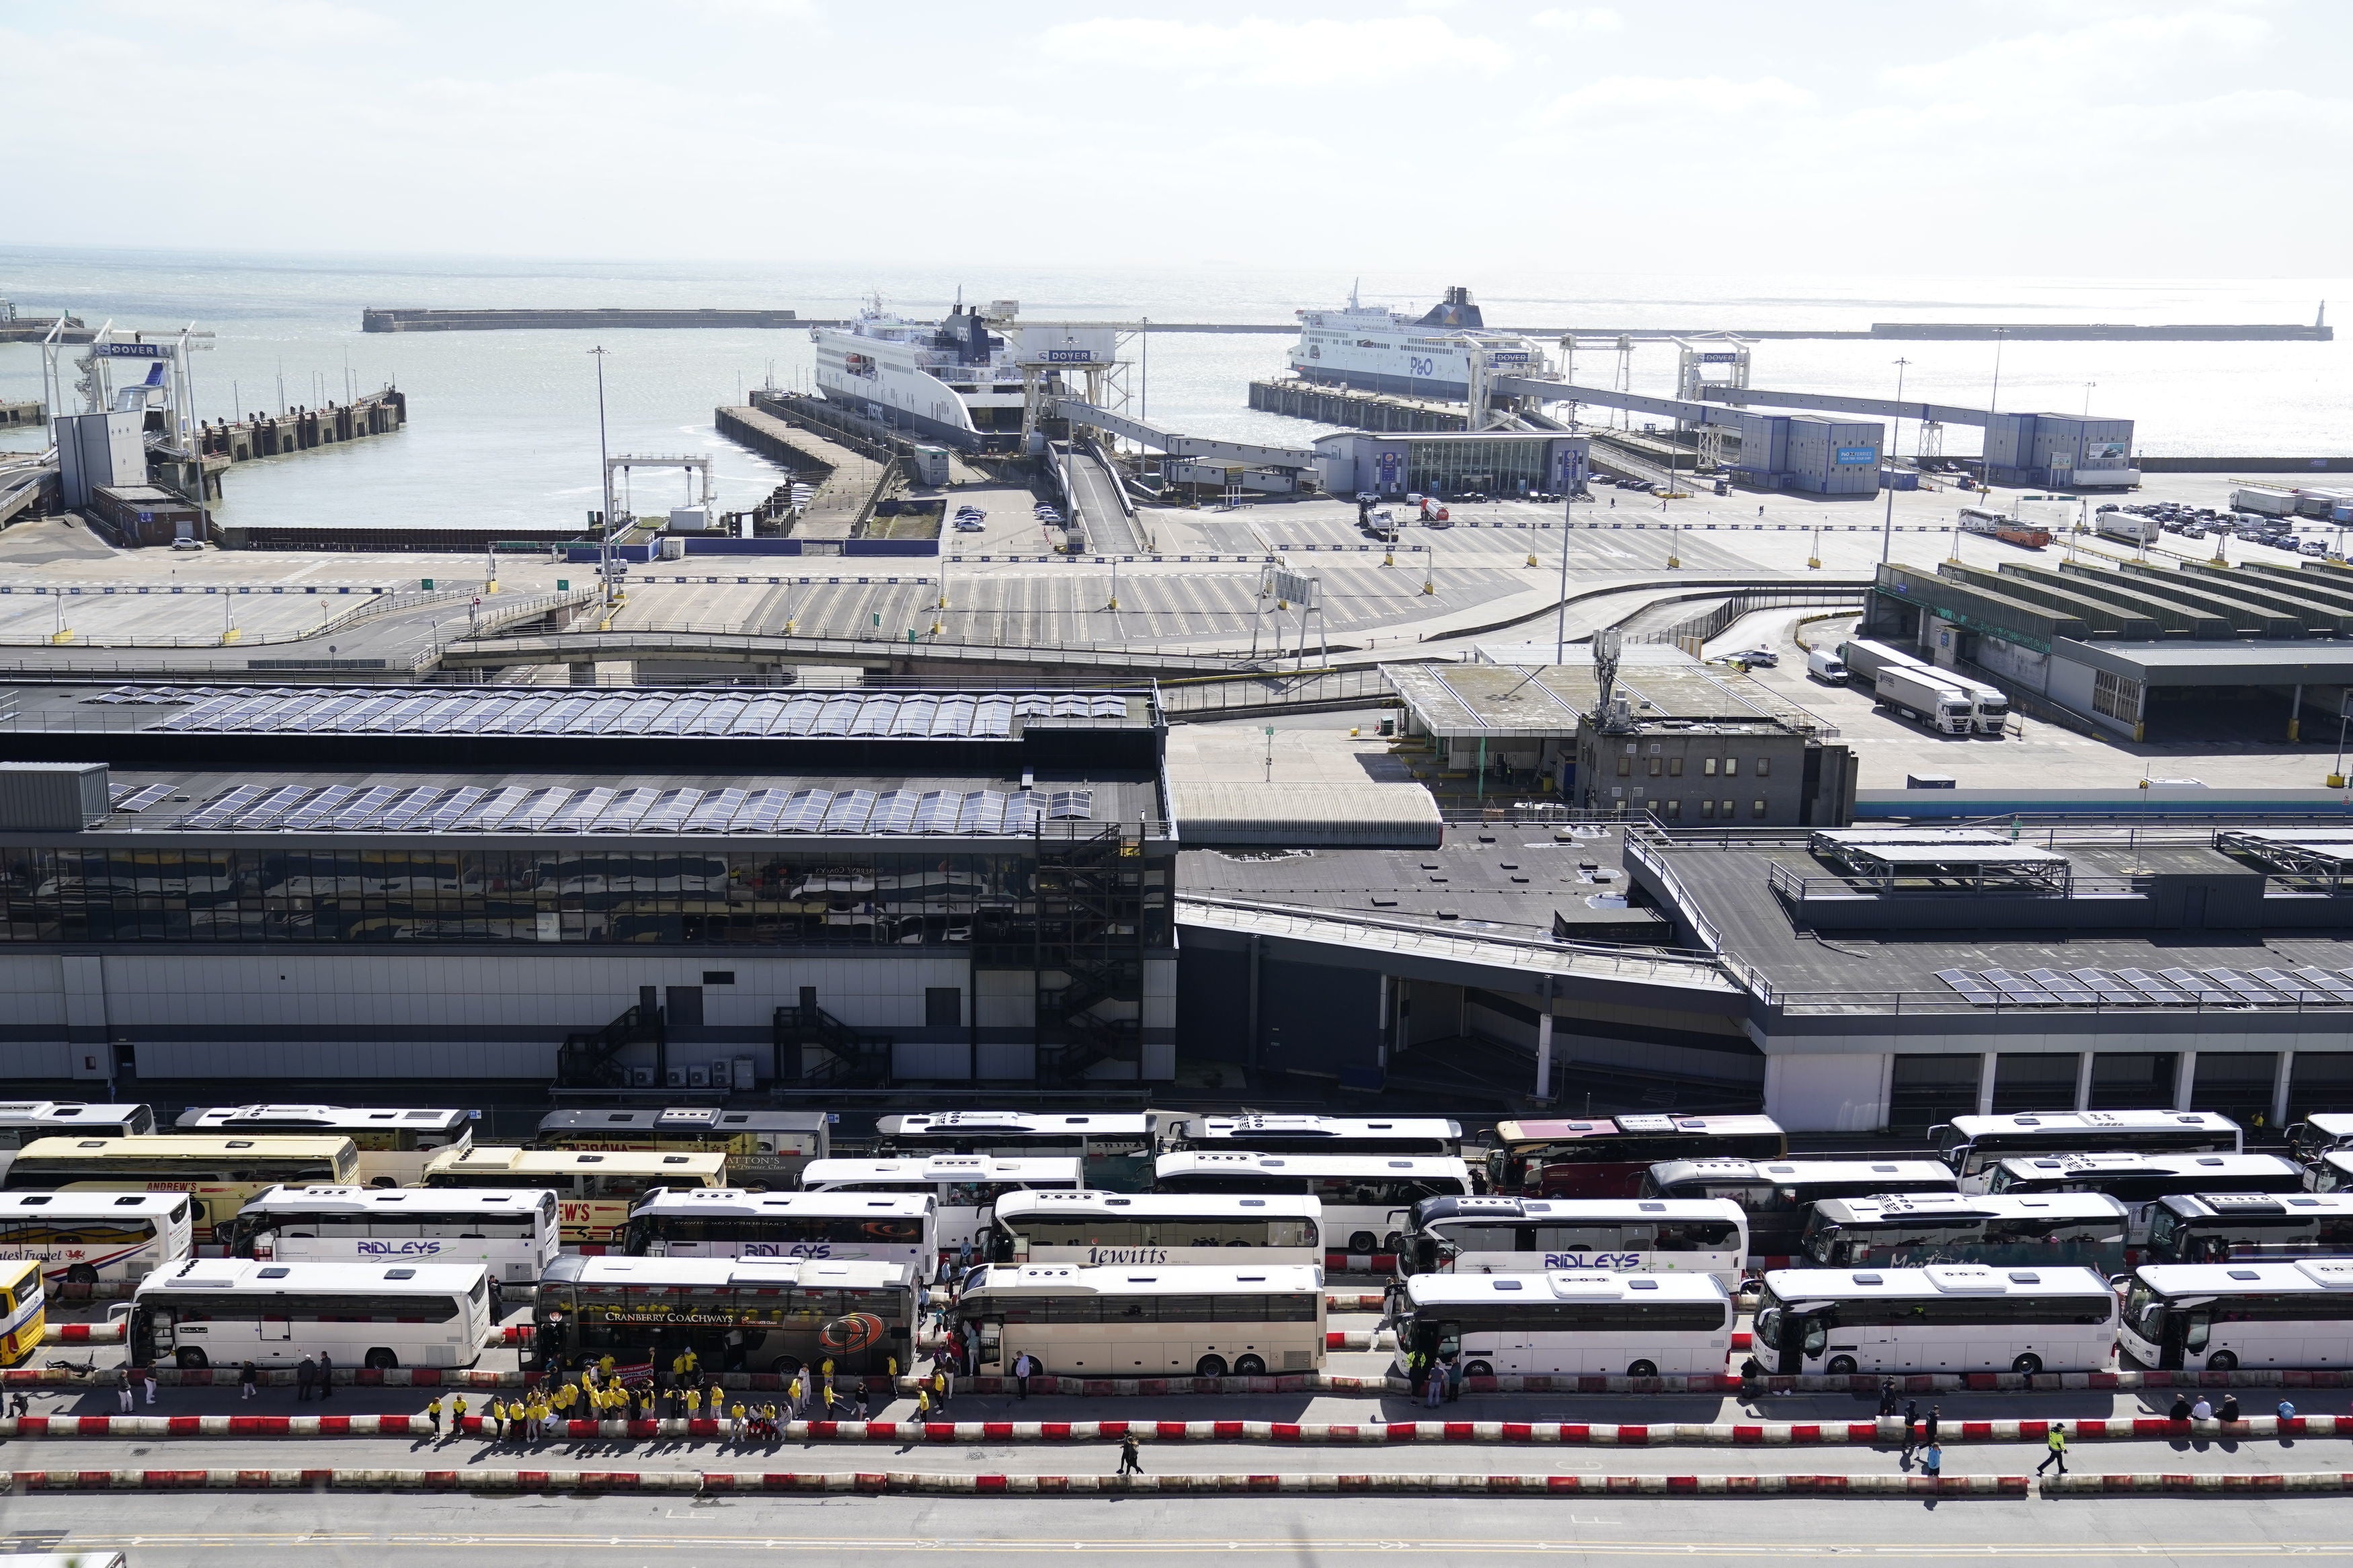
1685,744
610,888
1452,462
1891,978
2137,650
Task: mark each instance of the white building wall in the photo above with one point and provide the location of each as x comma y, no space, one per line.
344,1012
1827,1093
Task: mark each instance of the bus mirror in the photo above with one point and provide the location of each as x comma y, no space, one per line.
117,1311
989,1348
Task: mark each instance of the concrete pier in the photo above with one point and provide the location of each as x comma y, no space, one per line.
1356,410
373,321
303,429
30,413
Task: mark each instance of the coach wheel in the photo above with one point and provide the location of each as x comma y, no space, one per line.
1643,1369
1360,1241
381,1359
1251,1366
1209,1366
786,1365
1479,1369
2027,1365
189,1358
1389,1242
2221,1361
1840,1366
81,1274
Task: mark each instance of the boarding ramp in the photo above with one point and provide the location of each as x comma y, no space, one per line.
1099,505
1078,411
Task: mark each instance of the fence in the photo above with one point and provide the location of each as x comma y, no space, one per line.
1747,601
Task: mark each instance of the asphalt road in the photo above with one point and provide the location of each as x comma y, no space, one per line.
376,1531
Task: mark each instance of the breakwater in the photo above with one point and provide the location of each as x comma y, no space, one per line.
374,320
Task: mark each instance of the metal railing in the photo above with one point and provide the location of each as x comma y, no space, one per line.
1790,882
1682,968
1952,1004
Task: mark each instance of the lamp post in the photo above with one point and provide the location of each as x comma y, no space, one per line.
1896,442
1560,621
603,463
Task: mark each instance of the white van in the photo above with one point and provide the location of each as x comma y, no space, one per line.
1824,667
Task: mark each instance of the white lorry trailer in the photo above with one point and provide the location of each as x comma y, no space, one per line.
1927,695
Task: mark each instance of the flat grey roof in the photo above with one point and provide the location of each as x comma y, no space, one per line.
278,806
1729,885
2271,663
623,712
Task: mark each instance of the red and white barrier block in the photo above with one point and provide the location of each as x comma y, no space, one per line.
1372,1433
82,1333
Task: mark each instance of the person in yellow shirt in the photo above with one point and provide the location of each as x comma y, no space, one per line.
694,1404
433,1414
735,1422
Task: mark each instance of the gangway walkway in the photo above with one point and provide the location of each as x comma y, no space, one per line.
1078,411
1099,504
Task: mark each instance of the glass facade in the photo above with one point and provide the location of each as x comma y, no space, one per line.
1008,904
1493,468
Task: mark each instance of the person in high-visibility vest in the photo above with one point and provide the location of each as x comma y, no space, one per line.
2057,1443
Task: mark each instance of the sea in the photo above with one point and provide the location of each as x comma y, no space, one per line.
504,426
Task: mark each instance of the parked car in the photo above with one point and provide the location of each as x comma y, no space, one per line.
1764,658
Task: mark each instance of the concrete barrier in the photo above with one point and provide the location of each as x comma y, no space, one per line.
873,1482
82,1333
2222,1485
1885,1433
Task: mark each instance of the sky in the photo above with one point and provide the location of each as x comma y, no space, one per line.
2206,138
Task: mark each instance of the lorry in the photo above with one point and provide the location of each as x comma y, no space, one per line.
2263,499
1928,696
1989,705
1824,665
2132,530
1864,658
2004,527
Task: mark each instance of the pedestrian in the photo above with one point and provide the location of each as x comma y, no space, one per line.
1932,1462
457,1416
1930,1427
2203,1410
433,1414
122,1385
1886,1397
2229,1413
306,1378
1433,1387
1022,1367
865,1399
1911,1427
248,1381
147,1375
326,1375
2056,1441
941,1392
2180,1411
1129,1463
1453,1378
2287,1411
20,1406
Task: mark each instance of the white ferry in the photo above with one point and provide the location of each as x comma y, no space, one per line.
953,380
1375,349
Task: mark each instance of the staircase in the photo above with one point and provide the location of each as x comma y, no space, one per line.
1094,1040
590,1059
853,1059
